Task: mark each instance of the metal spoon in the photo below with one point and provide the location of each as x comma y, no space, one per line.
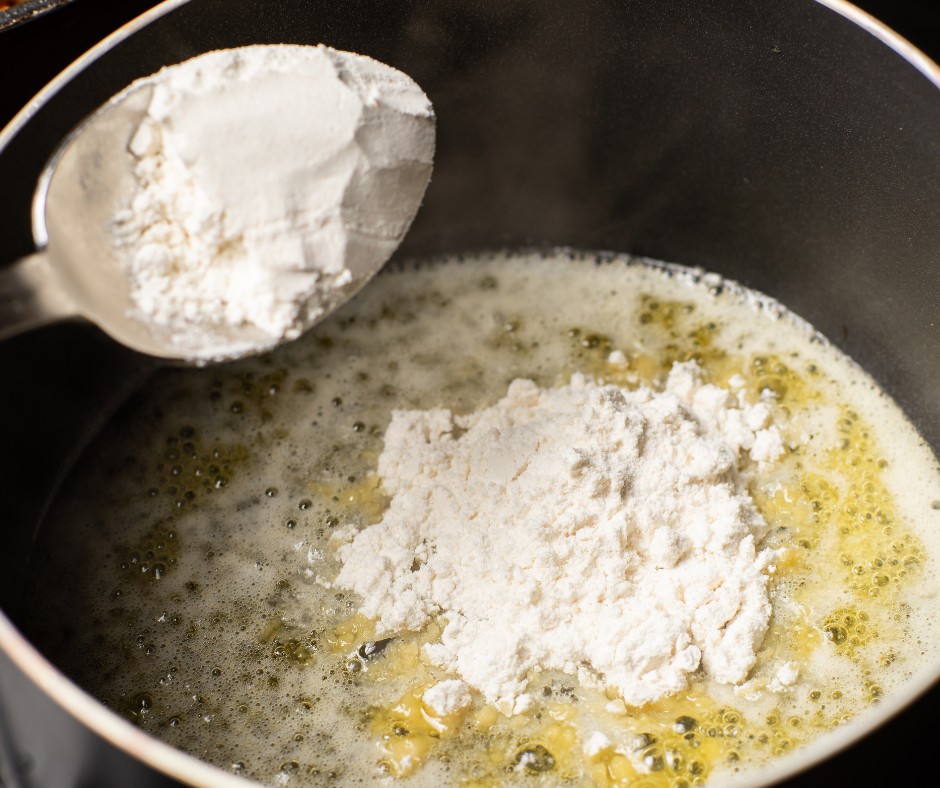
77,271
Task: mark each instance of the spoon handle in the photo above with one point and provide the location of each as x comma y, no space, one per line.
30,296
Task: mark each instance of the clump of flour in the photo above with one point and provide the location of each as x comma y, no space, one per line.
589,529
447,697
269,181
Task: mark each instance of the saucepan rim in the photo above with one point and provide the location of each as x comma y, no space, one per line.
174,763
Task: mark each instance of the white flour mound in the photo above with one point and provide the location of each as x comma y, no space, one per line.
268,180
589,529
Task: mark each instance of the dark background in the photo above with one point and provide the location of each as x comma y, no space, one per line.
32,54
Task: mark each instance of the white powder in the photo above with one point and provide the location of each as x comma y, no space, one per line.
596,743
589,529
447,697
270,181
786,676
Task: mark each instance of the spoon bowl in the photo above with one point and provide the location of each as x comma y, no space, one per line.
91,179
77,271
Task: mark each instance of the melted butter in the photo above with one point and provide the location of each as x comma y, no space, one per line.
239,654
408,730
350,633
364,502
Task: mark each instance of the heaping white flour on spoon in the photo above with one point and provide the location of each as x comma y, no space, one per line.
269,180
589,529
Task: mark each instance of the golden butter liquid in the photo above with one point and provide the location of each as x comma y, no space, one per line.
179,565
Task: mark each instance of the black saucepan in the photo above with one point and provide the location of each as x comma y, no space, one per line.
792,145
